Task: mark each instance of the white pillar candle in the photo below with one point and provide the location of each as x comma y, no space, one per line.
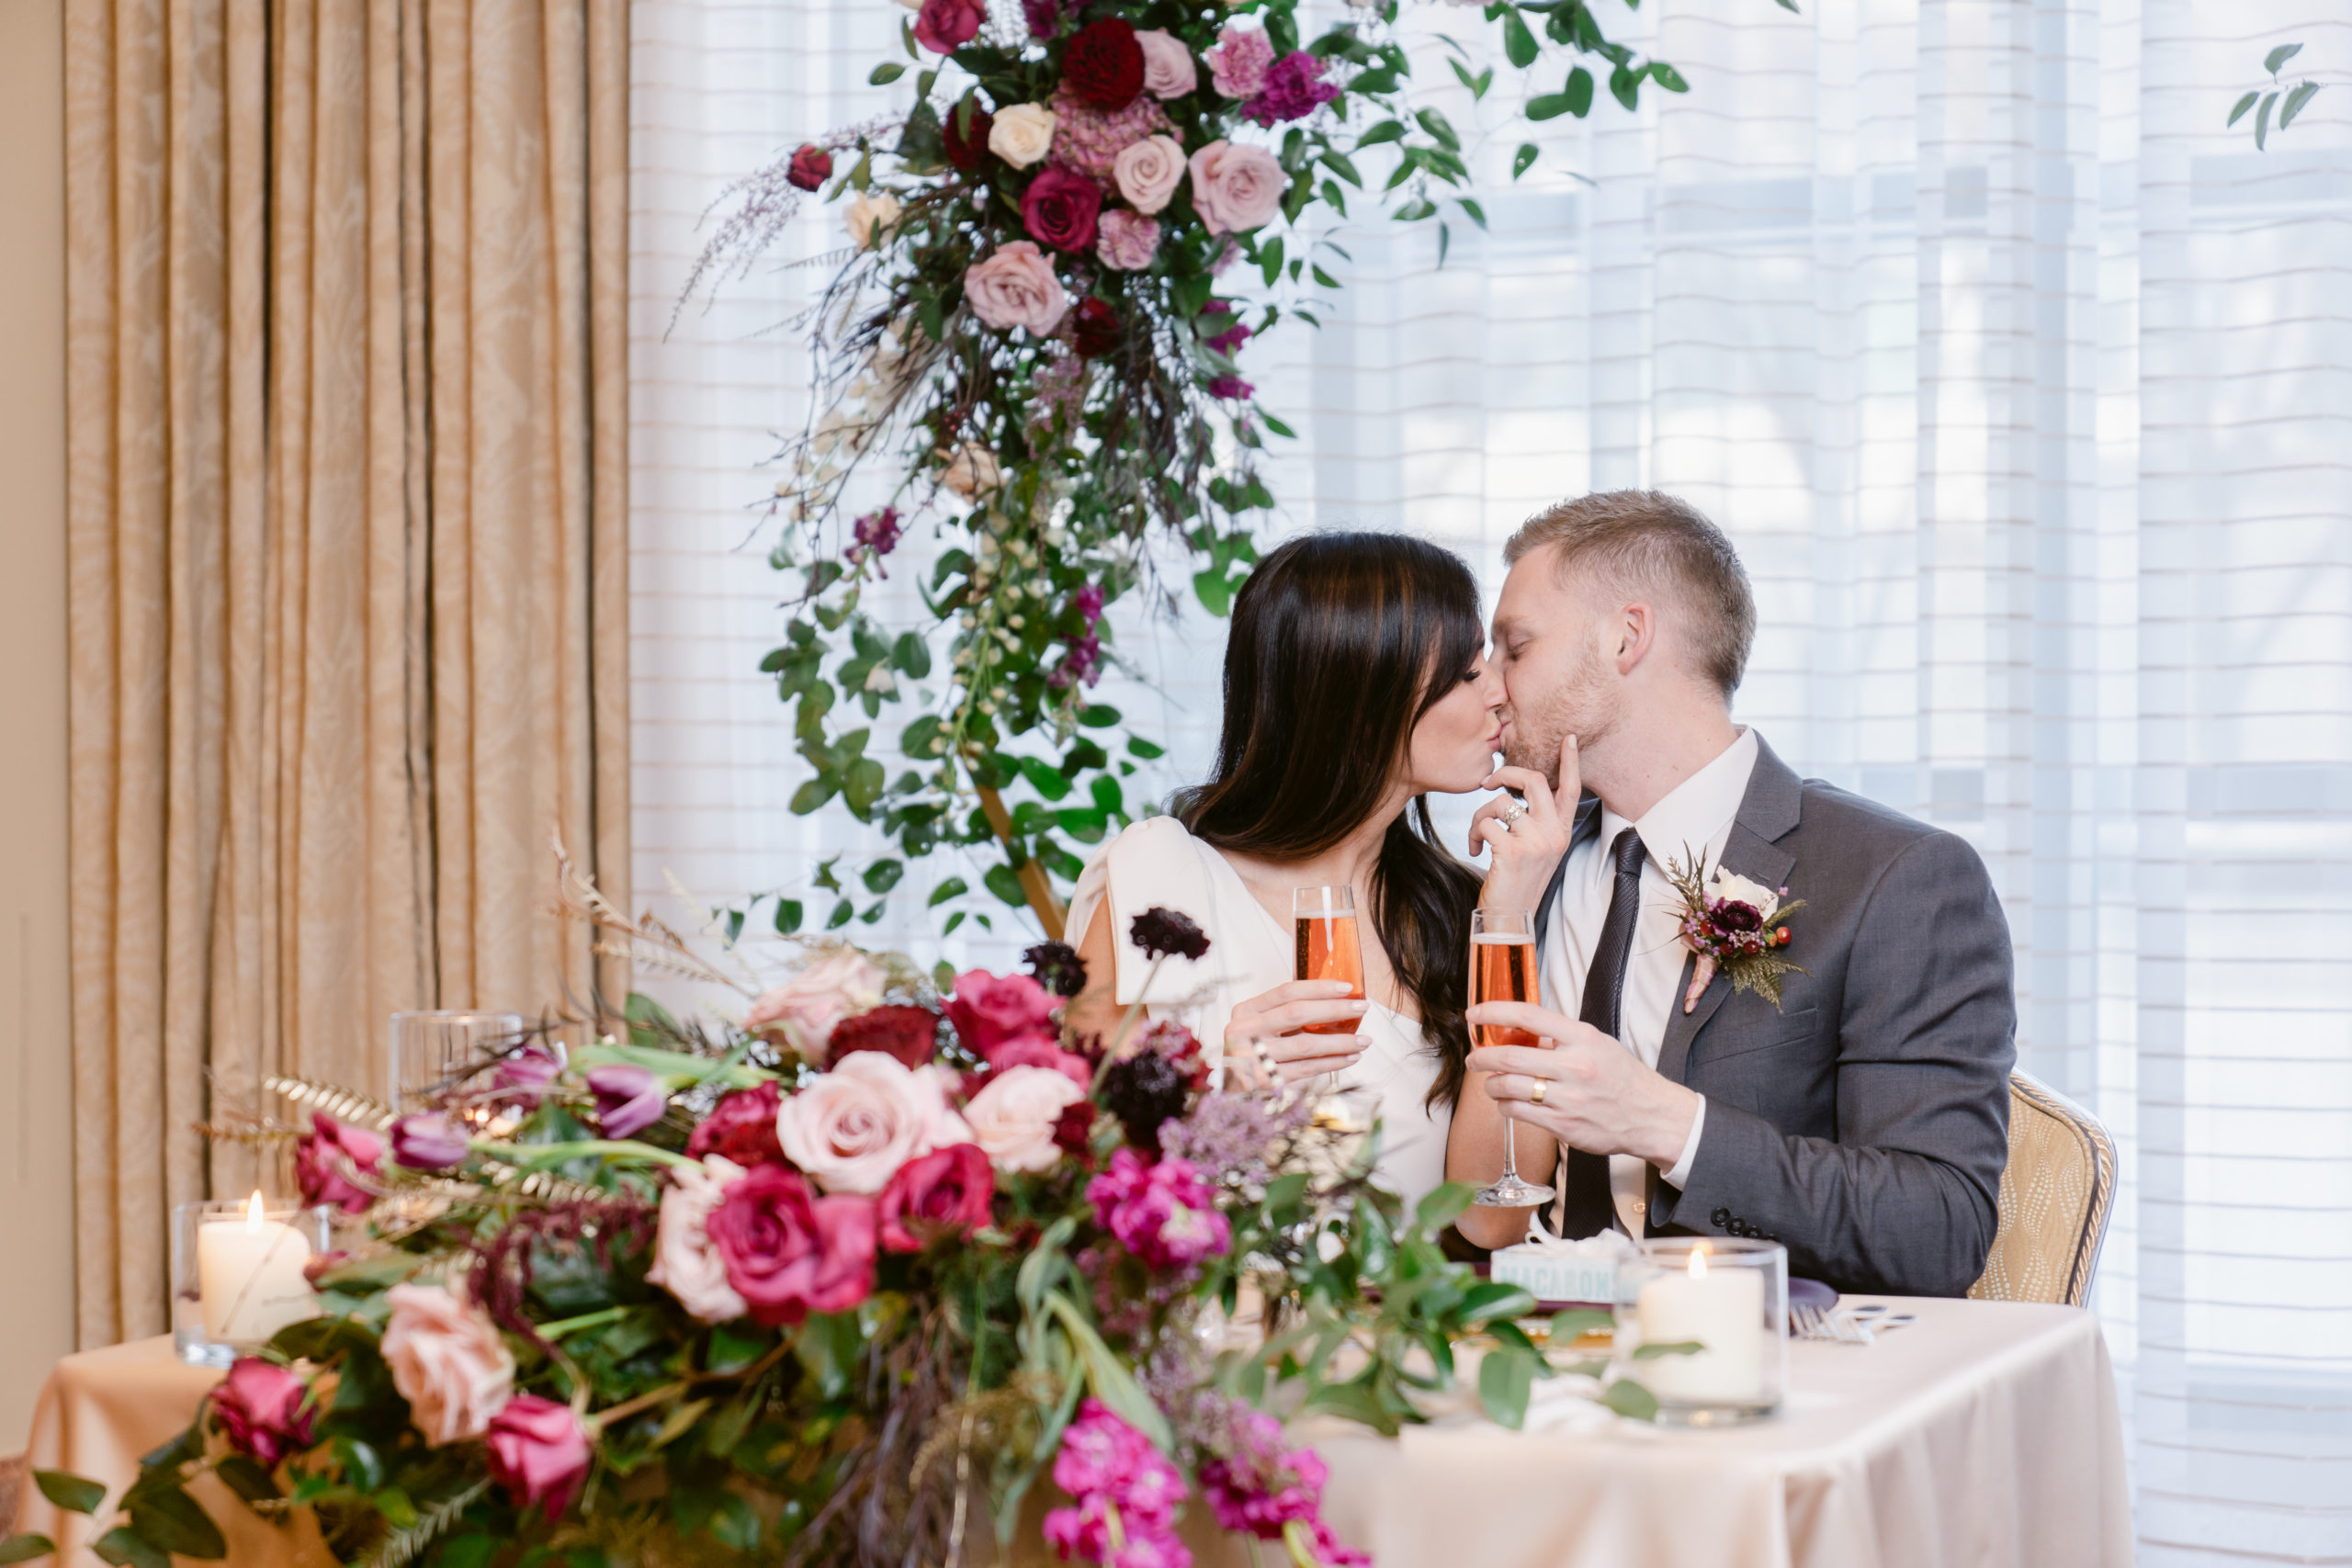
1723,1309
249,1273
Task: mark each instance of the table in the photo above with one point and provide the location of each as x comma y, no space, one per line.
1986,1435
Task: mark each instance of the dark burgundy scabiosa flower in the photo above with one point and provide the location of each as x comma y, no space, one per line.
1060,207
911,1035
1103,63
964,132
876,534
811,166
1094,327
1161,932
1056,964
1734,916
1143,1091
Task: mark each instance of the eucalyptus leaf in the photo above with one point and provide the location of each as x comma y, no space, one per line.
1504,1378
25,1547
72,1492
125,1548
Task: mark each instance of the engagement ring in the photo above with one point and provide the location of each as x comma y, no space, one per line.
1512,813
1536,1094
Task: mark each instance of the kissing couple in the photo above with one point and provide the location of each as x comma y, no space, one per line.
1859,1117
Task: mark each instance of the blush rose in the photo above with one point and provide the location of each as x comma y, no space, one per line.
1235,187
1014,284
1148,173
854,1126
1167,68
685,1264
447,1360
808,1006
1013,1116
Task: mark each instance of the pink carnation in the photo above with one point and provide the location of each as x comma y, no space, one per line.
1127,240
1240,61
1164,1214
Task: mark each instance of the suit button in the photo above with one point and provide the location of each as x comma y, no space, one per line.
1720,1218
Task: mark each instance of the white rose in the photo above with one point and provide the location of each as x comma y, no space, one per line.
868,216
685,1263
852,1128
1739,890
1022,135
447,1360
1013,1118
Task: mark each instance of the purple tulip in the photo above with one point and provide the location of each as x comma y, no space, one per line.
629,1099
526,1075
427,1141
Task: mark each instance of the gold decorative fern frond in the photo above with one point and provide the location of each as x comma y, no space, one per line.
402,1547
343,1104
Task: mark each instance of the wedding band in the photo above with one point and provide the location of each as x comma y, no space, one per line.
1536,1094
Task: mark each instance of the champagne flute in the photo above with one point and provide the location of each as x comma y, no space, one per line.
1502,969
1323,920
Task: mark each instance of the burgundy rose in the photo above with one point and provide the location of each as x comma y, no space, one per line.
990,1011
538,1452
967,148
427,1141
811,166
629,1099
742,1127
908,1034
788,1254
1095,327
1074,1129
936,1194
259,1407
1060,207
1103,63
328,1156
944,27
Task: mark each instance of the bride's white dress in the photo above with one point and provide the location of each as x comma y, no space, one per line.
1158,864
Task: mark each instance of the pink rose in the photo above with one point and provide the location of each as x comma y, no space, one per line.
1127,240
944,27
259,1407
808,1006
685,1264
1030,1052
946,1191
989,1010
448,1361
329,1157
1013,1116
1168,68
539,1453
1014,285
1236,188
1240,61
1148,173
857,1125
789,1255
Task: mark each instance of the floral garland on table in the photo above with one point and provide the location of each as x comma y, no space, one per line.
1029,334
811,1288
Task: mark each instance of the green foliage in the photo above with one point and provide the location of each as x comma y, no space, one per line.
25,1547
1092,460
2261,101
70,1493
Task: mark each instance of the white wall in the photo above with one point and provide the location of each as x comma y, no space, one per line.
36,1084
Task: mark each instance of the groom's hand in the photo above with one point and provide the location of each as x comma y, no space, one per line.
1527,849
1596,1095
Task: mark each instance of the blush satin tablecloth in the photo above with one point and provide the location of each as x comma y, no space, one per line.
1985,1435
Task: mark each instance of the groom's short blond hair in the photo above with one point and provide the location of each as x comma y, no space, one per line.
1659,544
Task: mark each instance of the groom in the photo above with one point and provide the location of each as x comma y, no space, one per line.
1862,1123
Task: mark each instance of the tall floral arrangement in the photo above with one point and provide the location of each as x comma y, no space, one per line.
1038,342
844,1284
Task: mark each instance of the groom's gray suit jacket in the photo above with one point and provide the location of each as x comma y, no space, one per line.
1864,1125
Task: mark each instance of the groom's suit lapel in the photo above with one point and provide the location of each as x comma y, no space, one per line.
1768,813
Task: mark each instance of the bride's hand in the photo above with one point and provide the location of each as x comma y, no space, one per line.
1528,847
1264,1032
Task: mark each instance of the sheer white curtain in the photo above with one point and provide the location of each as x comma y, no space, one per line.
2025,391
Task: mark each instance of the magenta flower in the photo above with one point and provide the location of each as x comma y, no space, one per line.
329,1157
629,1099
1164,1214
1292,89
259,1407
427,1141
876,534
1232,388
539,1453
1123,1489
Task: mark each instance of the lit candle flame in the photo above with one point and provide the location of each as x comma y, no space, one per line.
1697,1265
254,1214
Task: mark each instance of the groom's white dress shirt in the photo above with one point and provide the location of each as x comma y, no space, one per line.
1694,818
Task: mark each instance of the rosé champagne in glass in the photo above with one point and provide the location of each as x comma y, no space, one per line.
1324,922
1502,969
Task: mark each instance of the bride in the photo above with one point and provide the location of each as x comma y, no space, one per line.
1355,683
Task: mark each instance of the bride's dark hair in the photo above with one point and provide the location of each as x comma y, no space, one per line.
1340,643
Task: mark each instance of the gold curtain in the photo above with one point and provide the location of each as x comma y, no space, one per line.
348,402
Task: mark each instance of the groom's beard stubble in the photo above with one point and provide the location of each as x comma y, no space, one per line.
1581,705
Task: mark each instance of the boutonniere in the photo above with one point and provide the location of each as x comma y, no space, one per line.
1735,925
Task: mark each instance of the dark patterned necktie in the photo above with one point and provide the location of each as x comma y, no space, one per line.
1588,1208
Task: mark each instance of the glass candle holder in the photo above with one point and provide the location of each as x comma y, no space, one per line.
431,1049
237,1274
1728,1297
